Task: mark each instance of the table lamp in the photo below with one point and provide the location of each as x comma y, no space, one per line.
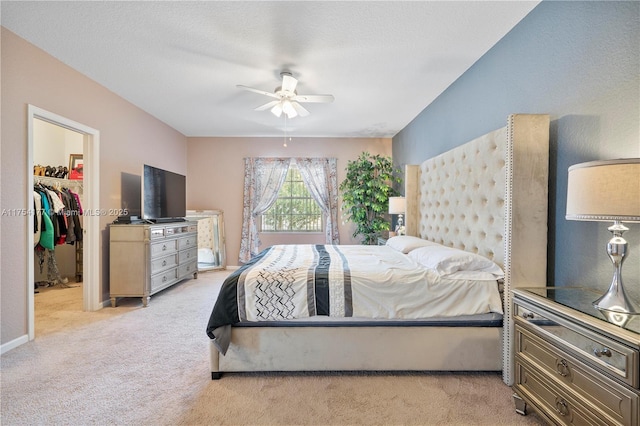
606,191
397,205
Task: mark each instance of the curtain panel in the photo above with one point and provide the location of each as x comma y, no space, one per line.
263,178
320,177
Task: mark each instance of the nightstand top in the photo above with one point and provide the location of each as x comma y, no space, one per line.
581,299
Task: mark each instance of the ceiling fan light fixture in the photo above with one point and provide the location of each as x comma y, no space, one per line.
277,109
287,99
288,109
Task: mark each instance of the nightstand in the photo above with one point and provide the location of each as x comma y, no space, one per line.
572,364
382,241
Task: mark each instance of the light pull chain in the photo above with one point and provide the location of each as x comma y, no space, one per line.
285,132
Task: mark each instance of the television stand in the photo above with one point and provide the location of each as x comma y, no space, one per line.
146,259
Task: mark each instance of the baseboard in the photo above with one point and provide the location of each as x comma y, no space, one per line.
14,344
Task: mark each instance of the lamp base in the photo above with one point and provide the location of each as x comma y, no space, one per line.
616,299
400,226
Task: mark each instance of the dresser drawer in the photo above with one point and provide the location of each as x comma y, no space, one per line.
187,242
556,403
186,256
156,233
612,399
163,247
187,269
163,263
606,354
163,279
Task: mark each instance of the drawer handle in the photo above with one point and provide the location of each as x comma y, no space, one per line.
164,247
164,263
164,279
563,368
526,315
562,407
602,352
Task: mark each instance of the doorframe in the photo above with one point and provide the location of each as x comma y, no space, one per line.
90,203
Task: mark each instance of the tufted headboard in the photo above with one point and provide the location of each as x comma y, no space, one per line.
489,196
462,197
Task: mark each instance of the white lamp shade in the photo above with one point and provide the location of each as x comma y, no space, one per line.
397,205
604,191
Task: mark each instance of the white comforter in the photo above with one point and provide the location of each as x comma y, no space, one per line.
364,281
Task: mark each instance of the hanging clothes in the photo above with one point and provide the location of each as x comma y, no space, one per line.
47,233
53,273
37,217
57,216
75,211
56,221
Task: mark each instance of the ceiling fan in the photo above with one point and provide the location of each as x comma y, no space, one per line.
287,100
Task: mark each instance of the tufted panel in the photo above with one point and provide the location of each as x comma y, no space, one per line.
462,197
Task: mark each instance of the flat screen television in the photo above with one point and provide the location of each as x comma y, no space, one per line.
164,195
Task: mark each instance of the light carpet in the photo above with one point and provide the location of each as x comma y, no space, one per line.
149,366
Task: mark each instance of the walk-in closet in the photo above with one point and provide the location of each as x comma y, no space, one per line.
58,233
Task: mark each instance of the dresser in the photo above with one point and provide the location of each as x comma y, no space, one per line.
574,364
147,258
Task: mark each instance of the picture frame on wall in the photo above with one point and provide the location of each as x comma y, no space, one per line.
76,168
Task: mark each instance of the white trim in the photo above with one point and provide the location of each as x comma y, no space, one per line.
14,343
91,200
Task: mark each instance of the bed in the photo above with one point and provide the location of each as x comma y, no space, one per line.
486,198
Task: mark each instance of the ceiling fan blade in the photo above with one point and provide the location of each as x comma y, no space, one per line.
302,112
313,98
288,83
266,106
262,92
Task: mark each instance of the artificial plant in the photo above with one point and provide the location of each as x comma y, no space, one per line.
365,194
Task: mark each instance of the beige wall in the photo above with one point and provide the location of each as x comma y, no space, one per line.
129,137
216,176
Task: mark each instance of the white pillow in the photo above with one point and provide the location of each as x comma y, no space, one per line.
406,243
447,260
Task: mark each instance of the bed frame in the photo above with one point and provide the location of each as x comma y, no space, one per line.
487,196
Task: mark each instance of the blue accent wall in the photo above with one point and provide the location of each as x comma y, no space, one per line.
579,62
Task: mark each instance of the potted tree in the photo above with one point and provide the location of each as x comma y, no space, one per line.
365,194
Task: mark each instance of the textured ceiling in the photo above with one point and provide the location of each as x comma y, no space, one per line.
181,61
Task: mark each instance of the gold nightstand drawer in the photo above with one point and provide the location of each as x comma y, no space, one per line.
610,398
557,404
597,350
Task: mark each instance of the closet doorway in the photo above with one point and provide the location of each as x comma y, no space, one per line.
72,263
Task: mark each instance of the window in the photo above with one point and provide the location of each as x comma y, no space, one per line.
294,210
